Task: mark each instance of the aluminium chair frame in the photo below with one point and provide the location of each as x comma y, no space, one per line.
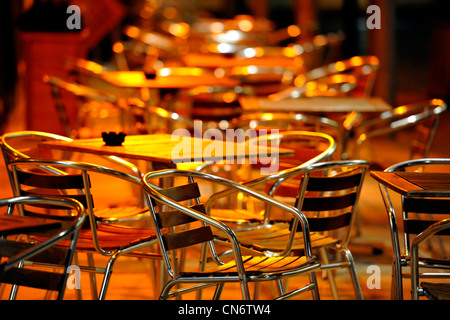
394,120
410,255
242,277
129,249
67,230
277,179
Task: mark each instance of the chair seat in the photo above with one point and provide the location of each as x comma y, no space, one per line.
259,265
275,237
111,237
121,213
436,291
237,215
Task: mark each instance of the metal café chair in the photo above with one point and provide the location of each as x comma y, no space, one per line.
180,206
38,264
423,117
291,122
327,193
421,219
102,234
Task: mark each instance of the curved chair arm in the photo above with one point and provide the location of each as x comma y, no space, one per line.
153,191
397,119
420,238
417,162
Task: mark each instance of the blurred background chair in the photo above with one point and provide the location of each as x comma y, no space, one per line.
107,233
40,265
419,120
240,269
93,106
422,219
291,122
327,193
309,148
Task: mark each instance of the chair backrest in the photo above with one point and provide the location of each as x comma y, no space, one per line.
290,122
74,180
25,144
327,193
154,119
424,116
83,93
364,68
53,230
309,147
217,103
169,208
420,213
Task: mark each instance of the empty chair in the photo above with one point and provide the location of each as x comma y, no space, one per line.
19,254
82,181
181,206
327,194
91,106
217,103
308,147
363,68
422,116
291,122
422,219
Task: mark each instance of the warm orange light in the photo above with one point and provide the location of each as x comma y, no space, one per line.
320,40
229,97
216,27
300,81
293,31
94,67
339,66
117,47
245,25
179,29
356,61
132,32
289,52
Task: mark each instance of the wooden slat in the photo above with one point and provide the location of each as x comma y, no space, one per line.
436,291
52,255
187,238
32,278
33,179
175,218
428,205
182,193
328,203
333,183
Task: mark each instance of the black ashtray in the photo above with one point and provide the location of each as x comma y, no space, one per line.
113,138
150,75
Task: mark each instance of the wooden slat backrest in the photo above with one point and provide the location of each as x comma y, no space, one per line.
33,183
424,207
338,207
167,219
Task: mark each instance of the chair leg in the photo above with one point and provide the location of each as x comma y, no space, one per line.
330,275
93,279
107,276
353,275
218,291
315,289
